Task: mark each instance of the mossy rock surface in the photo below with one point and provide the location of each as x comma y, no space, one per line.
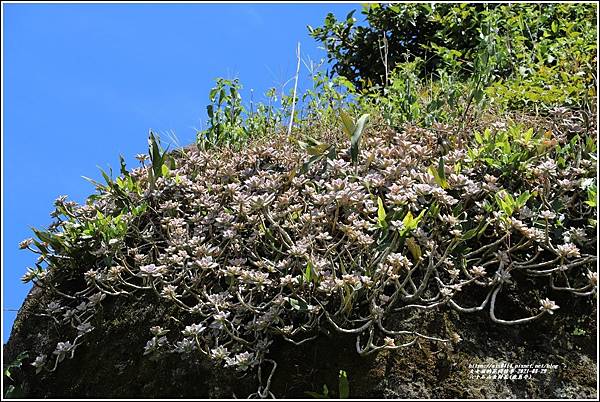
112,365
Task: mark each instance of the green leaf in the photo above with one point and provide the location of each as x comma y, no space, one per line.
107,178
442,171
124,171
478,95
343,386
470,234
299,304
478,138
99,186
418,218
155,155
414,248
440,179
17,363
348,124
165,170
13,392
522,199
308,272
381,215
407,221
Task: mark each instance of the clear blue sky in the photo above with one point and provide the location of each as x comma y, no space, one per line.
84,83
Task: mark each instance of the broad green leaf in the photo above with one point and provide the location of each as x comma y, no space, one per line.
470,234
522,199
407,221
308,272
414,248
436,176
299,304
348,124
381,215
418,218
442,172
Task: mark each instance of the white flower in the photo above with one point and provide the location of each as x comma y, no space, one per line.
568,250
29,275
185,346
221,316
352,280
548,306
141,157
154,344
454,273
450,220
477,271
289,280
397,224
503,276
592,277
193,330
241,361
53,307
39,363
84,328
546,214
206,263
169,292
455,338
158,331
62,348
387,341
152,270
91,276
398,260
575,235
329,285
219,353
114,272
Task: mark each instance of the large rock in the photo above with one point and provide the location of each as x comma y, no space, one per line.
112,365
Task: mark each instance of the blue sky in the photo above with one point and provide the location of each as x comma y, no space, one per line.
84,83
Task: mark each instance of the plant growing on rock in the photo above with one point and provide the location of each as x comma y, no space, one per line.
256,245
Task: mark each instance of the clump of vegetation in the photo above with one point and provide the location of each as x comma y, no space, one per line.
417,197
248,247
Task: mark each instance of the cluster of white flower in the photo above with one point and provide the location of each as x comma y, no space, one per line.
248,246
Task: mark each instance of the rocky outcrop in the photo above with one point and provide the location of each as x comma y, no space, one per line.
112,365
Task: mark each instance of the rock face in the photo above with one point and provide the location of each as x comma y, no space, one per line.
112,365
